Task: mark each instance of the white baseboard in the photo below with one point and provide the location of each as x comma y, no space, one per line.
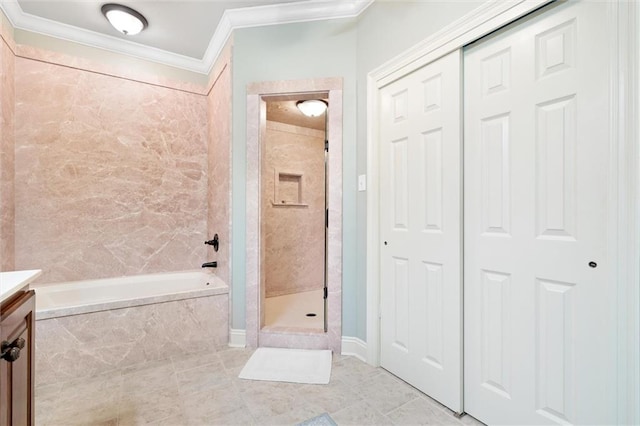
237,338
354,347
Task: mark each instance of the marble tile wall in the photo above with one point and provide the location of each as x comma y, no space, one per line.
293,236
110,174
74,347
7,158
118,66
219,164
334,234
294,339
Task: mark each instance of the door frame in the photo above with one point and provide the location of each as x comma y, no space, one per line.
624,205
256,127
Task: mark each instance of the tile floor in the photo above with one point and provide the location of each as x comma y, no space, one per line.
290,310
205,390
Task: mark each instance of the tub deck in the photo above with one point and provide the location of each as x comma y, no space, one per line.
81,297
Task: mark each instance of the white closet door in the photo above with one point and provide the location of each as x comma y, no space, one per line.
420,199
540,342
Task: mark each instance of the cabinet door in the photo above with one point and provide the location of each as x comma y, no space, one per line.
16,376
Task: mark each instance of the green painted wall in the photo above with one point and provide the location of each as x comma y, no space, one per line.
347,48
385,30
292,52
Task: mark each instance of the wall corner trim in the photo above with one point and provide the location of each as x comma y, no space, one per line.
352,346
237,338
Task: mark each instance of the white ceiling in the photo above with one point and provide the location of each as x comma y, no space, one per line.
184,27
187,34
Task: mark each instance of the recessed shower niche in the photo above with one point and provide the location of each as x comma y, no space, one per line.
288,189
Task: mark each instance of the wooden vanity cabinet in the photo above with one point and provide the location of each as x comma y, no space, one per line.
17,365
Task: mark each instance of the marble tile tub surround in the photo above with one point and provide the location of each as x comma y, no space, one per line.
110,175
204,389
219,164
7,148
108,63
81,346
293,236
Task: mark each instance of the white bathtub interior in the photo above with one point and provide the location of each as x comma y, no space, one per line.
77,297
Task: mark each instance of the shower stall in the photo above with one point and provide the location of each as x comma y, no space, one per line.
293,218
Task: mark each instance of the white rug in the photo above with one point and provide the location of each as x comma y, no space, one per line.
289,365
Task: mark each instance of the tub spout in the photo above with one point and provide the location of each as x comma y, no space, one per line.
213,264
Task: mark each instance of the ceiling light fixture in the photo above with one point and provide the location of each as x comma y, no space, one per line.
124,19
312,108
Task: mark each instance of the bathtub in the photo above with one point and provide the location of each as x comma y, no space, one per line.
80,297
107,325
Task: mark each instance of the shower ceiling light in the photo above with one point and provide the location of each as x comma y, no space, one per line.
124,19
312,108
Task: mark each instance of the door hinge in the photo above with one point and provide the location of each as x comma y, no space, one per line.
326,146
326,293
326,218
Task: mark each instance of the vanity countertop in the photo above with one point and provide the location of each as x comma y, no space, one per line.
12,282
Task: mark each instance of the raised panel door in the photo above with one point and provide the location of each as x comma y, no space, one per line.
539,311
420,220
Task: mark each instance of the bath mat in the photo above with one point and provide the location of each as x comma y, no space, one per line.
321,420
289,365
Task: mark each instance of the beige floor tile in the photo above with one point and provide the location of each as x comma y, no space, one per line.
237,417
352,371
422,411
235,358
204,390
187,362
102,415
332,397
110,422
210,403
469,420
149,407
386,392
269,399
203,378
88,401
179,420
47,398
148,377
360,414
297,414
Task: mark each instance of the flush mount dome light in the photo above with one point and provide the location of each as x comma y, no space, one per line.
312,108
124,19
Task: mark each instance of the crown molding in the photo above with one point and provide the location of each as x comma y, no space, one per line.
47,27
311,10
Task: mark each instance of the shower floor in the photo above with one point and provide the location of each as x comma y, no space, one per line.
290,310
